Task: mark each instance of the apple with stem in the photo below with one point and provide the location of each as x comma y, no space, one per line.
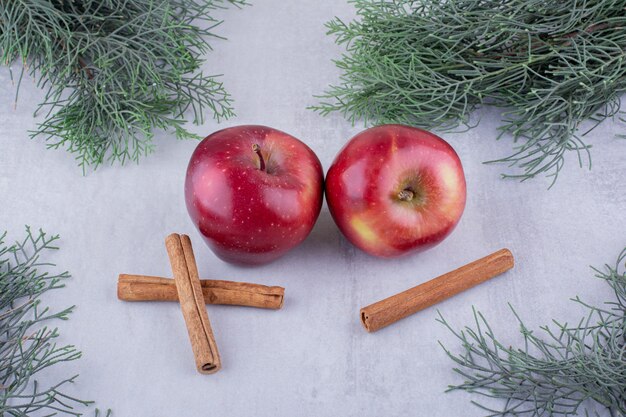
395,189
253,192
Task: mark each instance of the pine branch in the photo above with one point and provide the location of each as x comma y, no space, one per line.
557,374
114,71
27,343
553,66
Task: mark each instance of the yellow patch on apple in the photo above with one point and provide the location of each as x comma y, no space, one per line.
365,233
449,178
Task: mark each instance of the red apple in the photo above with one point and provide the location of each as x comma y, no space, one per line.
253,192
395,189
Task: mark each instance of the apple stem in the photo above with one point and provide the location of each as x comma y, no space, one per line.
257,149
406,195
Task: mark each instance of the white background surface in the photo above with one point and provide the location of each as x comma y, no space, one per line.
312,357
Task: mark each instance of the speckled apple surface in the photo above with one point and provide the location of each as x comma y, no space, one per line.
312,357
396,190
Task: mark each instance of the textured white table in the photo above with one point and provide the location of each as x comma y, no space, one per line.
313,357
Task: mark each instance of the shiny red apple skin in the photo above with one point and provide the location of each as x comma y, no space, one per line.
365,182
248,215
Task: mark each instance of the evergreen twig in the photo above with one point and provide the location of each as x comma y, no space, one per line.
552,65
27,342
114,71
557,374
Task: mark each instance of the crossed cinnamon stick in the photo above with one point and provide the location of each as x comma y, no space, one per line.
149,288
193,293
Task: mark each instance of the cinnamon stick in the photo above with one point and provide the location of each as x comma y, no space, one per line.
147,288
388,311
191,300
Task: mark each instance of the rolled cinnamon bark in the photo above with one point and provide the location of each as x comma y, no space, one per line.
388,311
148,288
192,305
